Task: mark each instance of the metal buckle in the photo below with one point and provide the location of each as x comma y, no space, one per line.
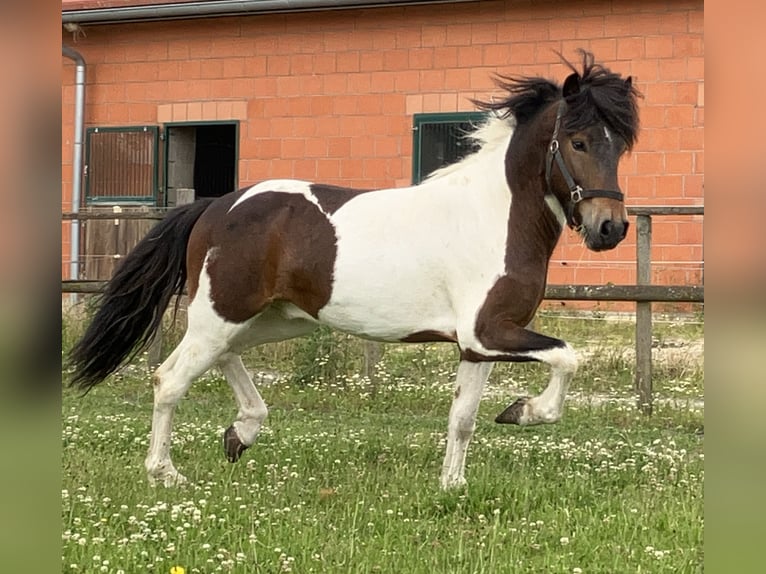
554,147
576,194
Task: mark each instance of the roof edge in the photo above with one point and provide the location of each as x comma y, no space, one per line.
208,9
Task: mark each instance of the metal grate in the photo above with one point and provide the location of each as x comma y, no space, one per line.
121,165
440,140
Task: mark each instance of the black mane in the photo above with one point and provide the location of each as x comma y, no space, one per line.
603,96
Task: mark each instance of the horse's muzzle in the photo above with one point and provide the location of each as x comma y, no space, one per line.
606,234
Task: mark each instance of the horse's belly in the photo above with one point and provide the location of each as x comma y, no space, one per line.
388,310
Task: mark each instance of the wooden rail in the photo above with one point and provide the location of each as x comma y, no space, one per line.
643,293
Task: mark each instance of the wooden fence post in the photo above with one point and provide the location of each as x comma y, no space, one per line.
643,382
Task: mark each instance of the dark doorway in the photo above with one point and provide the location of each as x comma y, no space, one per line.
201,161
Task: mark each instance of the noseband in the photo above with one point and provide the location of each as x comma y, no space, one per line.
576,192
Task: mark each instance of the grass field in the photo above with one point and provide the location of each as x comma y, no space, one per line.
344,477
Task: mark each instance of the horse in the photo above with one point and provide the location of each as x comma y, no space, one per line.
460,258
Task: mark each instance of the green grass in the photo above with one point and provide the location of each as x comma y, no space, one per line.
344,476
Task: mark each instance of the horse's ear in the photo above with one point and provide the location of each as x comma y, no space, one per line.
571,85
629,82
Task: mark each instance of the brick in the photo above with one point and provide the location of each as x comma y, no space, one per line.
590,27
223,110
643,71
302,64
211,69
679,162
221,89
492,55
328,169
292,148
521,53
408,82
387,147
699,162
339,147
209,111
362,147
650,163
396,60
470,56
335,84
431,103
347,62
669,186
407,37
658,46
456,79
371,61
327,126
420,58
360,83
674,23
179,112
484,33
278,65
165,113
414,104
324,63
686,92
298,107
305,169
545,53
679,116
458,35
692,139
694,186
630,48
671,69
288,86
445,57
434,36
685,46
695,68
316,147
190,70
448,102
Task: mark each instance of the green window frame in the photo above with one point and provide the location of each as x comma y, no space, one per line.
437,140
122,165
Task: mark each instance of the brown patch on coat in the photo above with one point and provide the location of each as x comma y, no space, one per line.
331,197
430,337
275,246
533,232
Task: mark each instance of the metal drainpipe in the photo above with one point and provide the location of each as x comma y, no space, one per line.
77,161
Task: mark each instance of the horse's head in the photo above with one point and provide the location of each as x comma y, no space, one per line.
594,123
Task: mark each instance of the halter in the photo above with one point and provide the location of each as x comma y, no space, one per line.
576,192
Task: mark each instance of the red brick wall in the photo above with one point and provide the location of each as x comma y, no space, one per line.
330,96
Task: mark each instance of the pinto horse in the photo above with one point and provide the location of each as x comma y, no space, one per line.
460,258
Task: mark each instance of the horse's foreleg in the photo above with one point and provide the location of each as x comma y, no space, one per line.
469,385
252,410
513,343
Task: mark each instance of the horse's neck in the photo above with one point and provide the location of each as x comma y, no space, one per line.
533,228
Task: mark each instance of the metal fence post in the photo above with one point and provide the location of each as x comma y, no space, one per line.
643,382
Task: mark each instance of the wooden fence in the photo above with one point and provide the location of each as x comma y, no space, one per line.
643,293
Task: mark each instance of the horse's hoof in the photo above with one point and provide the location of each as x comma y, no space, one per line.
513,415
232,446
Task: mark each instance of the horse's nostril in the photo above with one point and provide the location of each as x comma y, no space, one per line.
606,228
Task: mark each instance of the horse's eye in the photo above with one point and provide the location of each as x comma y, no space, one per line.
578,145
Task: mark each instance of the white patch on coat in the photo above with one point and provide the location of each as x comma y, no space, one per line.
296,186
424,257
607,134
555,206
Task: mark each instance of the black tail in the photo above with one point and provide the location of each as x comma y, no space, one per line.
131,308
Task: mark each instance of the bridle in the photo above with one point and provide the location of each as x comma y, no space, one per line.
576,192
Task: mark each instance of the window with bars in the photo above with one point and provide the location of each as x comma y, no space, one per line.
439,140
121,165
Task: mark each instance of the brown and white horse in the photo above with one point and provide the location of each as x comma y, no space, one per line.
461,258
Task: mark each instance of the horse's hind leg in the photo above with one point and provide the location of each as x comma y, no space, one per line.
193,356
469,385
252,410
